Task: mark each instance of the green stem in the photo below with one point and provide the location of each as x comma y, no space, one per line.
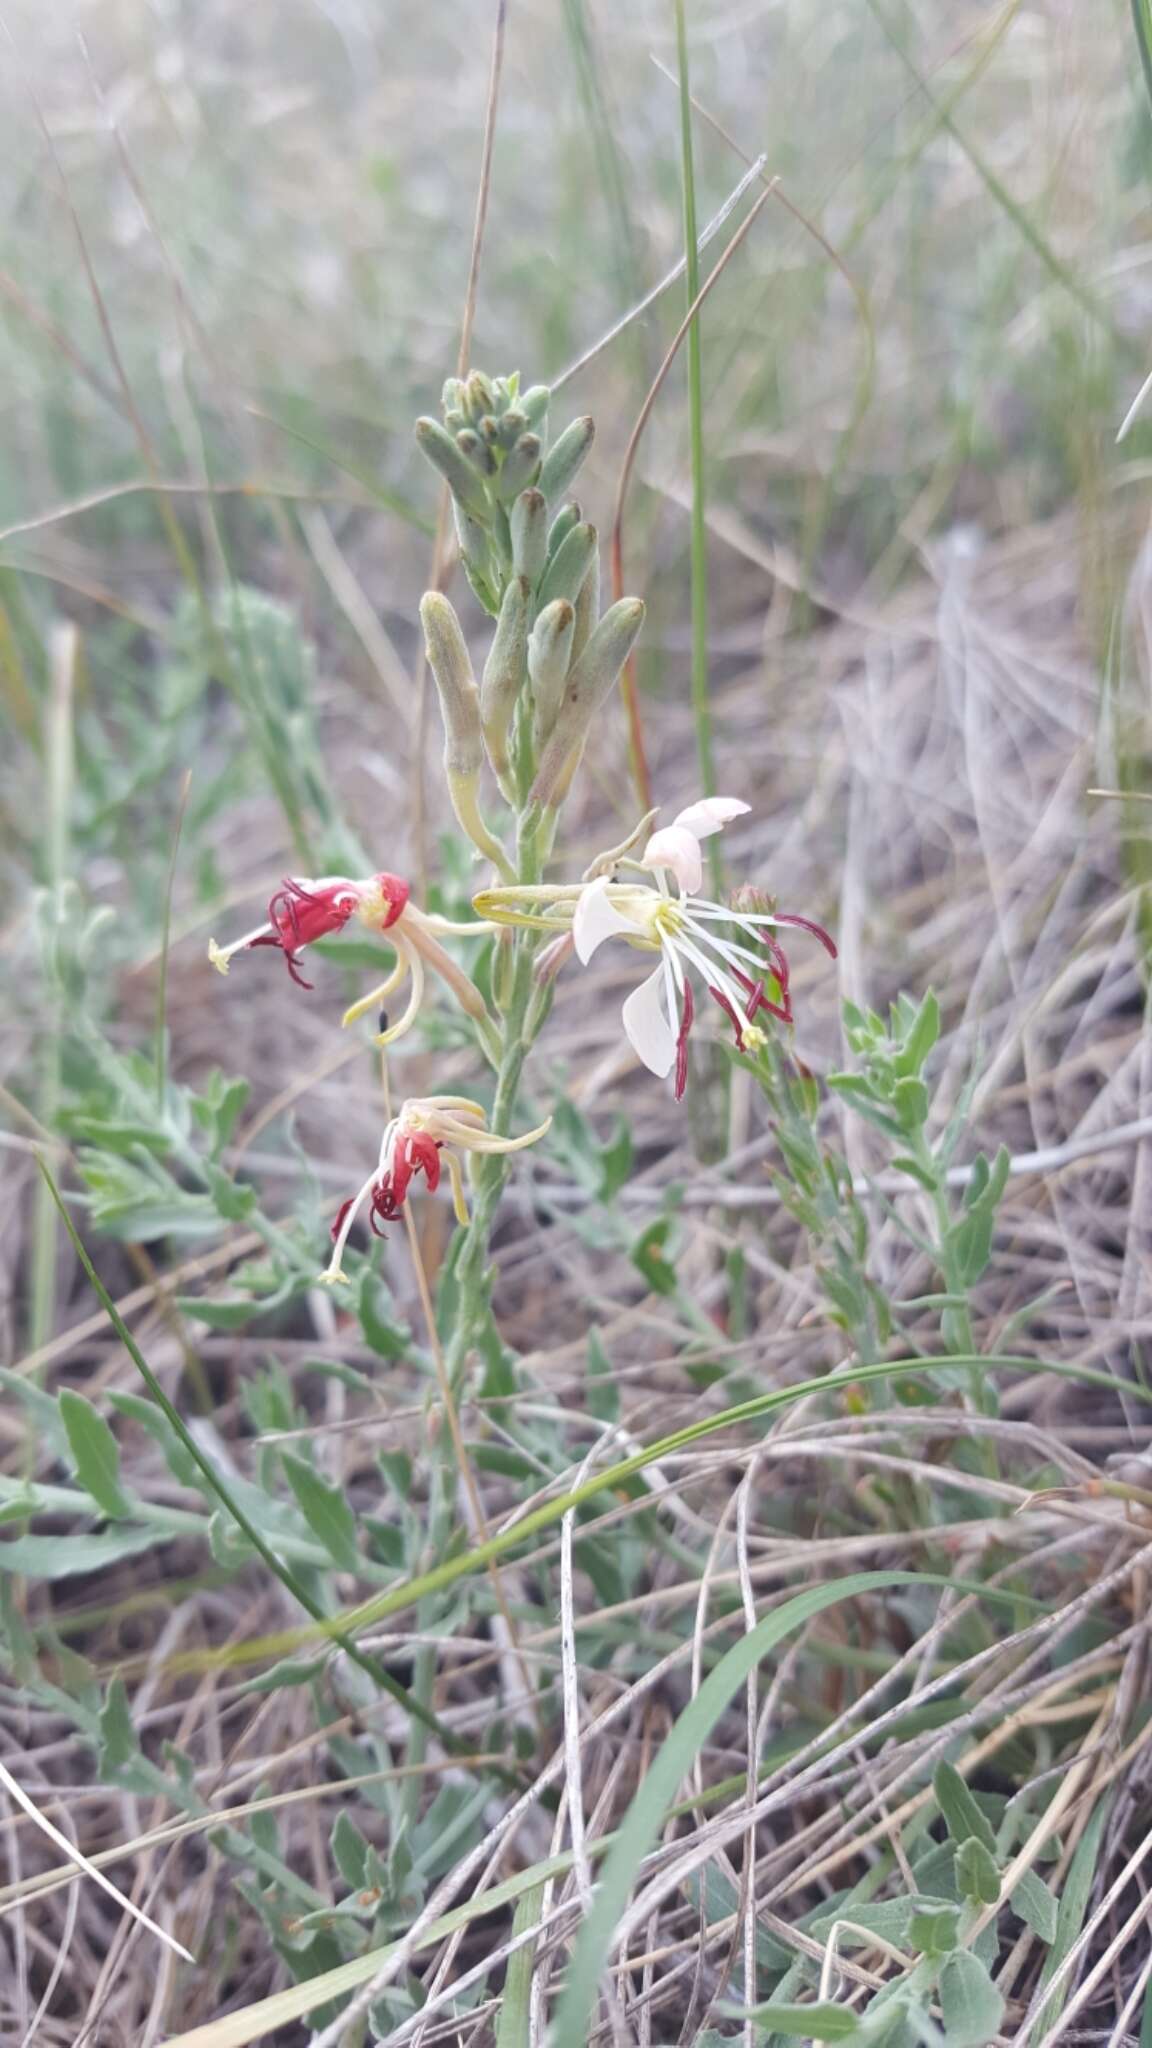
701,711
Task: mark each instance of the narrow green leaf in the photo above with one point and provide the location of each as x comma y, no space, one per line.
325,1509
645,1816
969,2001
1036,1904
95,1453
67,1557
976,1873
513,2030
965,1819
1070,1912
822,2021
349,1850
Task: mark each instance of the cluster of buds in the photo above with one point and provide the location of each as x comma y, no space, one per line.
533,561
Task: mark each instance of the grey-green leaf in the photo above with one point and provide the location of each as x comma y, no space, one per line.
976,1873
971,2005
963,1815
95,1453
1036,1904
325,1510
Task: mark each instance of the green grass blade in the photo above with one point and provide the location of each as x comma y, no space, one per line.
642,1823
327,1626
701,708
1142,22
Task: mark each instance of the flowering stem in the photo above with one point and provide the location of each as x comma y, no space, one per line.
520,1019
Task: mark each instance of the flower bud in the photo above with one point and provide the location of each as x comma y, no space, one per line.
567,517
549,652
565,457
473,543
587,608
521,467
534,405
451,667
475,448
513,424
506,668
462,478
589,682
479,395
529,522
568,567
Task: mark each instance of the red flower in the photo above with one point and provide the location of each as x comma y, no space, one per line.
303,910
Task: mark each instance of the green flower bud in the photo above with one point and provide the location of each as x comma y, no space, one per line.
451,666
534,405
513,424
464,481
521,467
476,450
529,535
567,517
590,681
452,396
472,539
549,652
568,567
479,396
505,671
587,608
565,457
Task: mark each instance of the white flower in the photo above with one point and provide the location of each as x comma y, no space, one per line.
733,951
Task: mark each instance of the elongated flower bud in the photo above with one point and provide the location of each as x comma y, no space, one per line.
474,553
451,667
462,477
567,517
565,457
505,670
521,467
534,405
589,682
587,608
529,522
564,576
549,652
476,449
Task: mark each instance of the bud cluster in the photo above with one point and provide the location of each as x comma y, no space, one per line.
533,561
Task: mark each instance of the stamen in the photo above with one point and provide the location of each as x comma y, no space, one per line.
732,1013
688,1013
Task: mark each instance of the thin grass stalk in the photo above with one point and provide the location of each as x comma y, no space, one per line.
701,706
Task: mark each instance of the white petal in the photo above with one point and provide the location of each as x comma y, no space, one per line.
677,850
710,815
650,1034
596,918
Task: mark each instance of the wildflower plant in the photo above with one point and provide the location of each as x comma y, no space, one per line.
514,737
